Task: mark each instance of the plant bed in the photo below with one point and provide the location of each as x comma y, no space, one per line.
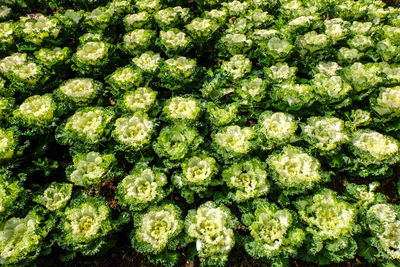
199,133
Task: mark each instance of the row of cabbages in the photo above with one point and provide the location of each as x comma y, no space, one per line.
325,229
220,123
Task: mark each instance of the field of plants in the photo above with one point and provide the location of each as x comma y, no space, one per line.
199,133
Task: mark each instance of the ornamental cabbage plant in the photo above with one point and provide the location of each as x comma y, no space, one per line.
275,233
140,100
175,141
78,92
142,187
276,128
92,56
295,171
90,168
87,126
125,78
36,111
179,108
383,221
215,241
55,196
374,150
85,225
326,134
233,141
133,132
197,173
332,223
247,179
157,229
22,238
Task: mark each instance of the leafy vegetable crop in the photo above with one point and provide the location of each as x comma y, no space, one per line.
270,127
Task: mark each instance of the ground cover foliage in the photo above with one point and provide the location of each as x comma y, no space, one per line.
199,132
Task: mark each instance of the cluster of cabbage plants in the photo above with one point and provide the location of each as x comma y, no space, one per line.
270,127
